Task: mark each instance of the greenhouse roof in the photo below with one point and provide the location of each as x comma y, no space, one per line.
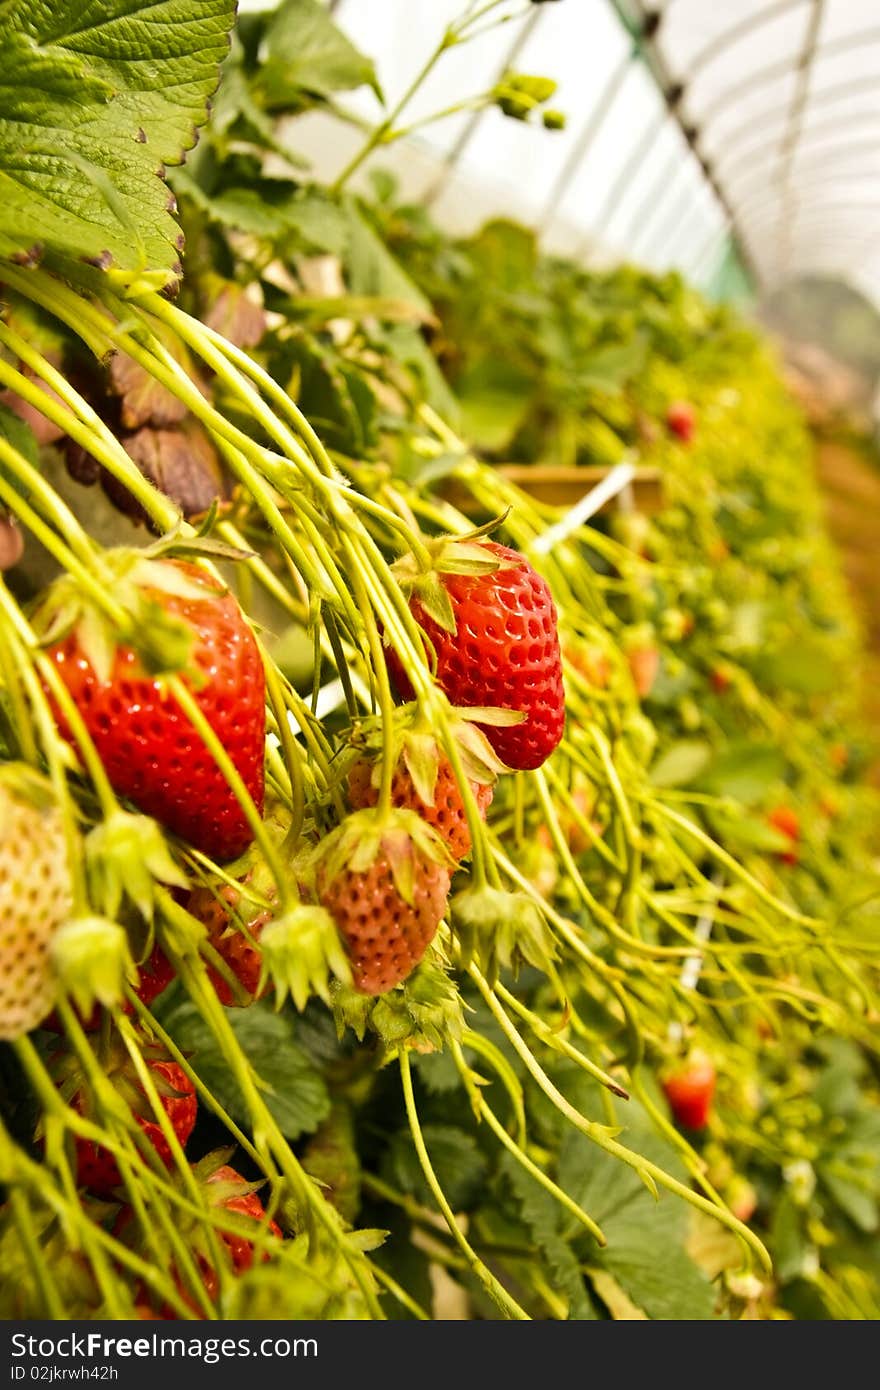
688,124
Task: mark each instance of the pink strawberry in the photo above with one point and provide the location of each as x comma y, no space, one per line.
385,882
446,814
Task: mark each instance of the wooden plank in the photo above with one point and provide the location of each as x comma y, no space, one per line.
560,486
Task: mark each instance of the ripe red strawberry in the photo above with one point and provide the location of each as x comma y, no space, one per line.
786,820
503,652
152,753
690,1091
97,1168
155,975
35,897
681,420
226,1189
446,814
385,883
644,664
245,1203
225,935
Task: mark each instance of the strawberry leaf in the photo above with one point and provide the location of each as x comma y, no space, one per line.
296,1093
96,97
305,56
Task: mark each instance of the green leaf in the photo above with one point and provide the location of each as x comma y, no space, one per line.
460,1166
744,771
543,1215
96,97
850,1190
305,55
437,1072
372,269
739,831
495,399
609,368
680,764
275,210
646,1251
788,1243
297,1098
803,665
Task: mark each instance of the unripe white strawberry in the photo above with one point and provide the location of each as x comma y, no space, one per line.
35,897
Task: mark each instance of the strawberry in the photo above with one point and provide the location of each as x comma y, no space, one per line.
156,974
35,897
681,420
224,1189
217,912
690,1091
720,679
445,813
246,1203
385,882
644,664
786,820
97,1168
496,645
591,663
151,751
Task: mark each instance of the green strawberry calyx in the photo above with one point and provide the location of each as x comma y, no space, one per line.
466,555
399,836
136,583
126,856
301,953
423,1013
91,958
500,929
412,741
24,784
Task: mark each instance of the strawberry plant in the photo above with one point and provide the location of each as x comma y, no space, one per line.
386,855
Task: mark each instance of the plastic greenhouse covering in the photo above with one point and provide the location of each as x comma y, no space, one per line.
697,135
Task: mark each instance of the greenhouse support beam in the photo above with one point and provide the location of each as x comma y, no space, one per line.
757,189
630,167
646,208
644,231
815,215
675,93
740,30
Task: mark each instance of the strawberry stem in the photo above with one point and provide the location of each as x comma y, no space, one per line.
505,1301
648,1171
484,1112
